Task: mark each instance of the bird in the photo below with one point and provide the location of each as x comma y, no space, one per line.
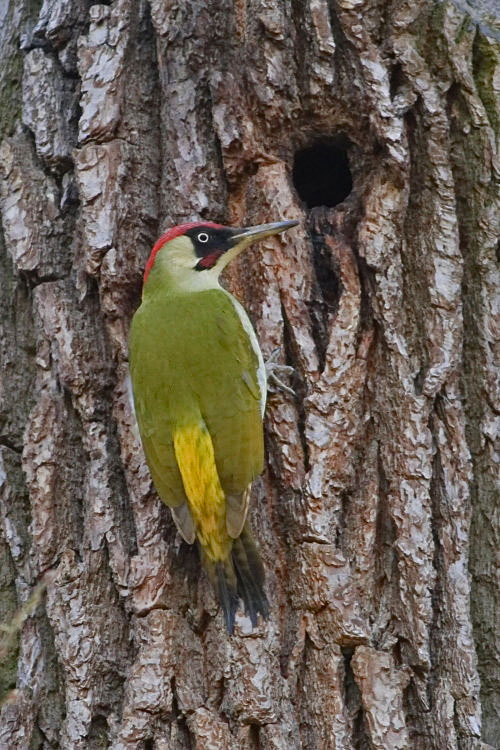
199,389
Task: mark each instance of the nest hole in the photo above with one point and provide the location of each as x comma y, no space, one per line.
321,174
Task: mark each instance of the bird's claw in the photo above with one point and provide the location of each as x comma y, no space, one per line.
274,368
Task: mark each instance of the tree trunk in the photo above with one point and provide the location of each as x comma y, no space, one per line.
374,123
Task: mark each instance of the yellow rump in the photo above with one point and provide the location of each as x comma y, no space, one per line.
194,453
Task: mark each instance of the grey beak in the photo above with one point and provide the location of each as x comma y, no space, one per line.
263,230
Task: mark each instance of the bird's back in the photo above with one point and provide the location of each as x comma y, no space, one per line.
191,356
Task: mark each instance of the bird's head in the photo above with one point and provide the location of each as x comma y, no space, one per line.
190,253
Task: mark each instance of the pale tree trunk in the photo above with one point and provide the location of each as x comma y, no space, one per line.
374,123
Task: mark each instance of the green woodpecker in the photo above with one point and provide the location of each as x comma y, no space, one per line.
199,384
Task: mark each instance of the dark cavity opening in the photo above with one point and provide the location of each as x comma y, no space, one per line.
321,174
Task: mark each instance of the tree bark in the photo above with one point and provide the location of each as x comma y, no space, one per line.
375,515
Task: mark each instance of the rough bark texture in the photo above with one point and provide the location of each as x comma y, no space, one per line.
375,515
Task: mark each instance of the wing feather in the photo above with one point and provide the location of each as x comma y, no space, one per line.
236,512
191,355
184,522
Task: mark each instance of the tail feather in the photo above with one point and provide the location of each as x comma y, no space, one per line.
240,576
227,595
250,576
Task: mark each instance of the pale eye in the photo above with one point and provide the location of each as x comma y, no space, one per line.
202,237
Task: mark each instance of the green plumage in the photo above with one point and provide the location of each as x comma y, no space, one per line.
189,357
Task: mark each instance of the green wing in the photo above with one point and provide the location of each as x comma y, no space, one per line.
191,358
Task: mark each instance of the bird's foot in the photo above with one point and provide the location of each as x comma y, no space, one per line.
275,369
